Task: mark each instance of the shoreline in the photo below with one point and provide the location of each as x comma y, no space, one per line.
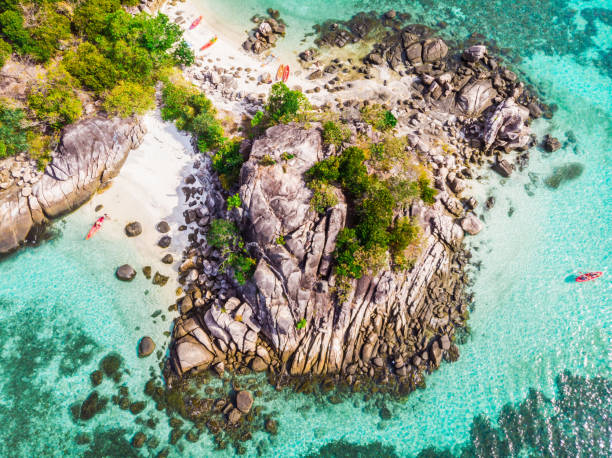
148,190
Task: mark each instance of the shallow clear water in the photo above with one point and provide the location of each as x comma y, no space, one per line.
61,313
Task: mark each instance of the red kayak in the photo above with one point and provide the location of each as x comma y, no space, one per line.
195,23
588,276
285,73
209,44
95,228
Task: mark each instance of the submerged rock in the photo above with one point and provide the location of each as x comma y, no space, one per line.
566,172
138,440
91,406
111,363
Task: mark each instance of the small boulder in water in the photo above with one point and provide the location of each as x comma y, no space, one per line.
138,440
244,401
168,259
125,272
91,406
164,242
471,224
503,167
96,377
551,144
111,364
145,347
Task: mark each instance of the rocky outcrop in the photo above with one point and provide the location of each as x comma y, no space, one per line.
290,307
506,126
90,154
265,34
476,97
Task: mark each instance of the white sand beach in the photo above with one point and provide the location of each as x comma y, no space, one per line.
148,190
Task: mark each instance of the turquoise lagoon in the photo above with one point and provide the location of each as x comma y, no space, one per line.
62,310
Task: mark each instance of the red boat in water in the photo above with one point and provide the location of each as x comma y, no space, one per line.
195,23
96,227
588,276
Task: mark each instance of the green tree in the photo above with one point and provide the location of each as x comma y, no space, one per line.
284,105
353,173
375,214
48,33
335,134
404,232
128,99
13,139
91,68
347,245
5,52
11,25
227,162
208,130
233,202
222,234
55,100
183,54
90,18
428,194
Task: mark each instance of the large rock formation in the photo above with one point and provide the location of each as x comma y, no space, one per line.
90,154
389,316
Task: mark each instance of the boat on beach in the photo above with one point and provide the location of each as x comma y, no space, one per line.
209,43
195,23
279,72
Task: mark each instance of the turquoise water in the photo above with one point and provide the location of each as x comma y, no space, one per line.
62,313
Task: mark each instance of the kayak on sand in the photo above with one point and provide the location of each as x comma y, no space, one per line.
209,44
195,23
286,74
588,276
279,73
96,227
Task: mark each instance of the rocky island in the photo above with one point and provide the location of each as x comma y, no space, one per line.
325,218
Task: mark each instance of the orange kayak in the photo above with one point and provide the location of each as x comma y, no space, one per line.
195,23
279,73
286,74
95,228
209,44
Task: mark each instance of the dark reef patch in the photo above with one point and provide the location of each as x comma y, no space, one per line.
577,423
27,350
566,172
110,443
344,449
